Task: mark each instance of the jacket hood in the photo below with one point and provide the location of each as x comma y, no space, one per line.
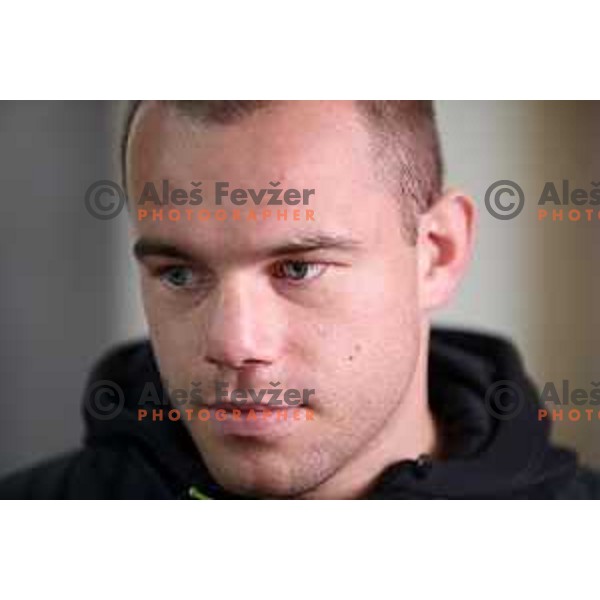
485,405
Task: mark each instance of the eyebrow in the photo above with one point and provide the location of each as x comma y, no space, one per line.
153,247
305,243
311,242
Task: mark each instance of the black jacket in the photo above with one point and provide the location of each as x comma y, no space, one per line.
497,447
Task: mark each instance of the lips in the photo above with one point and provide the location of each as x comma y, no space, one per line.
258,421
245,398
248,406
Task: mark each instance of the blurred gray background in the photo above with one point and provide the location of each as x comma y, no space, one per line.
68,286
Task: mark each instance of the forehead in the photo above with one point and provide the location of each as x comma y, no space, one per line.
304,145
309,135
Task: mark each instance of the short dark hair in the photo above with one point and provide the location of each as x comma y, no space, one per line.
406,145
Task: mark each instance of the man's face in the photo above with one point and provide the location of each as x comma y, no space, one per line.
328,304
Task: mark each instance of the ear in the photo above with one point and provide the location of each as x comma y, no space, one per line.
445,244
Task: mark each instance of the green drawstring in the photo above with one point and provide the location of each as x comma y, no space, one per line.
195,494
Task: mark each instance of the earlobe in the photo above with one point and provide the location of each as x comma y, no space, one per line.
446,238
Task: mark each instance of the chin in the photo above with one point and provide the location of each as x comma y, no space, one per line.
260,483
265,473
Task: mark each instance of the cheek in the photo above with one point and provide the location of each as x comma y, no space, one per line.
176,339
365,354
169,321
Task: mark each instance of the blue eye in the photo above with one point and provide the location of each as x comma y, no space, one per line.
298,270
178,277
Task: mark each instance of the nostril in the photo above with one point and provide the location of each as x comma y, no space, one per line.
254,362
235,363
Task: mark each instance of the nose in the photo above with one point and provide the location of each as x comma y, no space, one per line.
243,329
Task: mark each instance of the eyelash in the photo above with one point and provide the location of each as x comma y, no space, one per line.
307,263
276,272
164,273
